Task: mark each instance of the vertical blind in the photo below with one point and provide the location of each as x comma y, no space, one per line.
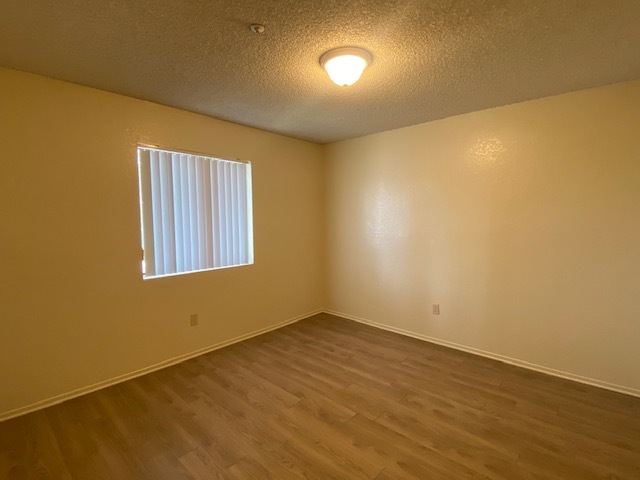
196,212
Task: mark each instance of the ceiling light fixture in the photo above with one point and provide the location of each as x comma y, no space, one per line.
345,65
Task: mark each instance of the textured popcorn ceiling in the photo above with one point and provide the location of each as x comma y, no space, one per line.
432,58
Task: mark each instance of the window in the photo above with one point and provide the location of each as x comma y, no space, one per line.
196,212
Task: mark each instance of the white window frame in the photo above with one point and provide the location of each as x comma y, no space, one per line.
195,209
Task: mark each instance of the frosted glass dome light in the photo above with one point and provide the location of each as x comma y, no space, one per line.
345,65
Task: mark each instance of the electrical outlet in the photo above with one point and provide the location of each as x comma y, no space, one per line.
436,309
194,319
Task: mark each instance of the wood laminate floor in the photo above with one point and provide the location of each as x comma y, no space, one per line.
328,398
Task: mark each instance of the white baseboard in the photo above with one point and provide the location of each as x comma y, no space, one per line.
143,371
181,358
495,356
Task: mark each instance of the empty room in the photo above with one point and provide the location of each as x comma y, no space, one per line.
295,239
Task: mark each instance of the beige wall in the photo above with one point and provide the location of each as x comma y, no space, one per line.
522,222
74,309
